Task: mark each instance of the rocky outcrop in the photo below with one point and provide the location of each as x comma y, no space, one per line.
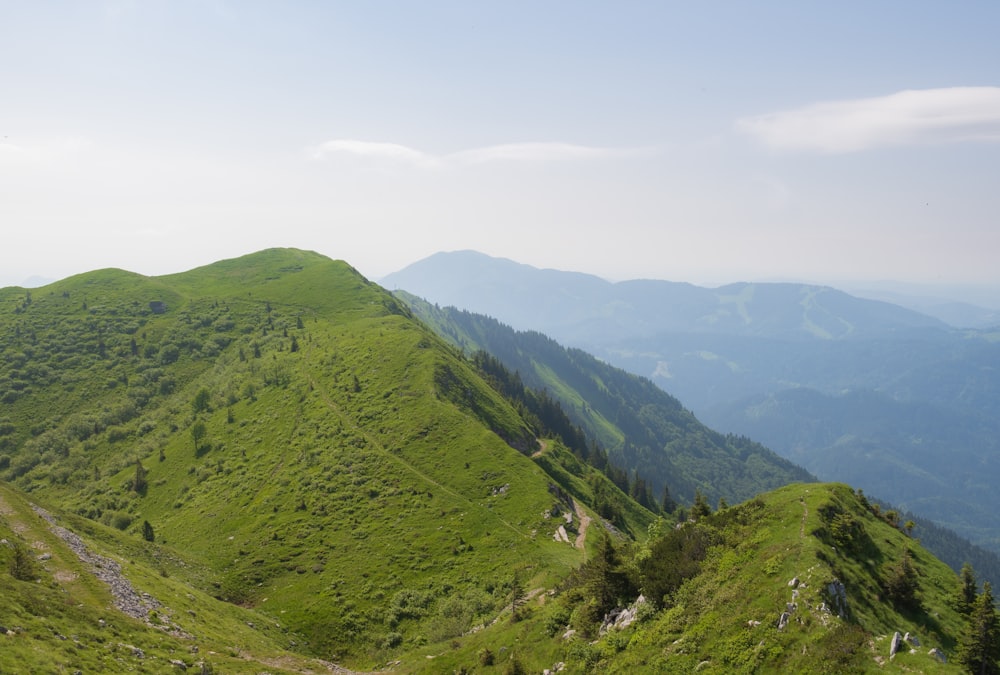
896,645
622,617
836,594
911,642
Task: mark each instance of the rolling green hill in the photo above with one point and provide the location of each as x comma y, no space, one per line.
269,465
285,424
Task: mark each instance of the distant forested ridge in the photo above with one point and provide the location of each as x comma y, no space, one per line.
644,430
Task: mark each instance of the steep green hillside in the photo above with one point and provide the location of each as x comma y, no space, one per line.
645,430
804,579
284,423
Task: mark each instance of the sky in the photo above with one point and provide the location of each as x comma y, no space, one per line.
707,141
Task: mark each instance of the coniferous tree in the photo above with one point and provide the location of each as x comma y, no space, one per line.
516,596
979,645
901,583
603,584
700,508
198,432
201,401
139,483
969,589
667,503
22,563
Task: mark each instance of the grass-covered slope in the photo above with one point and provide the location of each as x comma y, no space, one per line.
79,596
285,424
804,579
644,430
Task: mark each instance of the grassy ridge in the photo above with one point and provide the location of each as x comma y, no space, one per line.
783,552
317,454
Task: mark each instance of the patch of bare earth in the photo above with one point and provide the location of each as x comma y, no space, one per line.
581,537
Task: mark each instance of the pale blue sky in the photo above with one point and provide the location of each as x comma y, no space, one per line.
693,141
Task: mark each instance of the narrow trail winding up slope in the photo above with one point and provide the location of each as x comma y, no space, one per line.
581,538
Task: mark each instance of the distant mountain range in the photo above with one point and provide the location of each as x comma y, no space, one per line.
896,402
961,307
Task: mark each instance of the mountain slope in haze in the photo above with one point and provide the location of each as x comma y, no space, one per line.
977,308
579,308
724,352
857,435
644,430
285,423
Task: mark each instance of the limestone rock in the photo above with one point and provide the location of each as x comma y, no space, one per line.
837,594
897,644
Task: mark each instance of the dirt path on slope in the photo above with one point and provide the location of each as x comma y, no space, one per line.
375,444
542,447
581,538
805,514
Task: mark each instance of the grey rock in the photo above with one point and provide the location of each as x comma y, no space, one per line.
896,645
939,655
837,594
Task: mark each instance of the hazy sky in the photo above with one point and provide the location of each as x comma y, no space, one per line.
692,141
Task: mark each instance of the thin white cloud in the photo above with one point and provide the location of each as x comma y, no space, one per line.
387,151
905,118
510,152
41,151
534,152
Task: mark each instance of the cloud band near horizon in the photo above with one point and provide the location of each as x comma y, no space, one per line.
910,117
509,152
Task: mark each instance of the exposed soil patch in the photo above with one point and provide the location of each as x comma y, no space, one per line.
581,537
